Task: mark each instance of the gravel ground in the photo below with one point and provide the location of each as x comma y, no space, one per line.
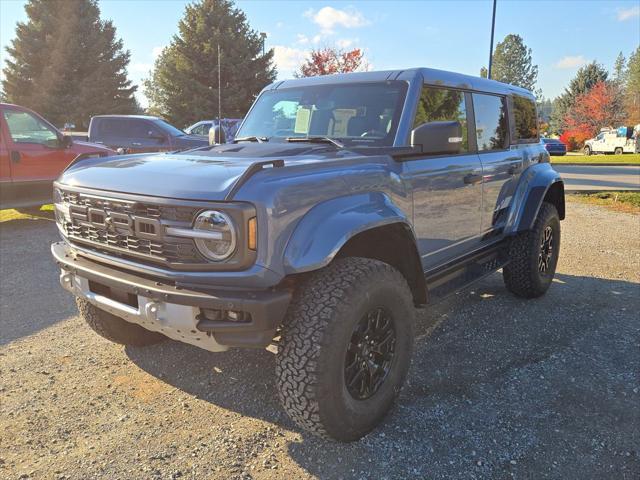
499,387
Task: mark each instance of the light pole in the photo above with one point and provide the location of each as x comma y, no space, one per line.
263,36
493,27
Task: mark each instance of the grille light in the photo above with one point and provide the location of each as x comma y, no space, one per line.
218,239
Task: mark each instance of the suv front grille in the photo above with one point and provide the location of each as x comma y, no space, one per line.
138,233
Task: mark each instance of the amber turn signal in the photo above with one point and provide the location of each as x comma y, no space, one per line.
253,233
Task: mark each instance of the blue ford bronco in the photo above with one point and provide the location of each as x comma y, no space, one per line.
344,202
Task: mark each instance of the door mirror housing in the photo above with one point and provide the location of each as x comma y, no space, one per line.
217,135
438,138
156,136
66,141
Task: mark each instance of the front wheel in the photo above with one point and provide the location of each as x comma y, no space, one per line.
533,255
345,348
587,150
618,151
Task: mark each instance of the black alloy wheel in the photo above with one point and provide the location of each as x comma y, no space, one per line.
546,251
370,354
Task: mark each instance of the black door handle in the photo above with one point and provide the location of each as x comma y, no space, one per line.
472,179
15,156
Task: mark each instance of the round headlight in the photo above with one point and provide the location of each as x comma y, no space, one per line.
215,235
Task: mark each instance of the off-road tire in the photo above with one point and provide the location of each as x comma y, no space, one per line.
116,329
317,331
618,151
587,150
521,275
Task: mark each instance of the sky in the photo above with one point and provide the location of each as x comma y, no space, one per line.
449,35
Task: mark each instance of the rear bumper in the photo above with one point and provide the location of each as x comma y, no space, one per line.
174,311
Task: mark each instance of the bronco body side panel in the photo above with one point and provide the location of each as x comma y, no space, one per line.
328,226
534,183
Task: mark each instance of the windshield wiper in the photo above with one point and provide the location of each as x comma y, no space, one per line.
315,140
251,139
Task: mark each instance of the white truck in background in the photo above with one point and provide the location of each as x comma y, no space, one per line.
617,141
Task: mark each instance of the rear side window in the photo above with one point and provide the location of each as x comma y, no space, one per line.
525,120
443,105
492,130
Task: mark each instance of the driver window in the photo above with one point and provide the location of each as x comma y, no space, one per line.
443,105
25,128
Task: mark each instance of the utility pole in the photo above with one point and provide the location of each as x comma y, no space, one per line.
219,92
263,36
493,27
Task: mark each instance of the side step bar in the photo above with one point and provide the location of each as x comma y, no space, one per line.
461,273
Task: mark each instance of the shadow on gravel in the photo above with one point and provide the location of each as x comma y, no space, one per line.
31,298
499,386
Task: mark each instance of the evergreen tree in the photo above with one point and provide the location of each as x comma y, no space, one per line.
632,90
620,70
512,63
67,64
183,86
584,80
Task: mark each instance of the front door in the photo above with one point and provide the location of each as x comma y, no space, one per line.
447,190
34,147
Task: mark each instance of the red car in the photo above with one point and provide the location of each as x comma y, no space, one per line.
33,153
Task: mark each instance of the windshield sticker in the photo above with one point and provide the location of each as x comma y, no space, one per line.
303,115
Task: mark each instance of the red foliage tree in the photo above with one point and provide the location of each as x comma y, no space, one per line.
327,61
597,108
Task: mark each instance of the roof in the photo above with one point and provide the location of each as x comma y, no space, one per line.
145,117
430,76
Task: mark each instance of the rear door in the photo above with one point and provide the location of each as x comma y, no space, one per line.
501,165
447,190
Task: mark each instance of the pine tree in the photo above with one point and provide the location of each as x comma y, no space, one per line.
183,86
620,70
67,64
512,63
584,80
632,88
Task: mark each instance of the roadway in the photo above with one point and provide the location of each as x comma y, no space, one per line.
597,178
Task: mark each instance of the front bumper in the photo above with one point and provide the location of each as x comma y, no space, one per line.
174,311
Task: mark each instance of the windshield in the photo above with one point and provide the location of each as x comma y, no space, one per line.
352,113
167,127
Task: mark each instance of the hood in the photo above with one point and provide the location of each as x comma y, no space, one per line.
80,146
186,141
194,175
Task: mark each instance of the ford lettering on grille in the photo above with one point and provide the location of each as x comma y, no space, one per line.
135,230
116,222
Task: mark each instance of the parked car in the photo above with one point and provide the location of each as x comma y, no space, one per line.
140,134
344,201
617,141
229,125
554,146
33,153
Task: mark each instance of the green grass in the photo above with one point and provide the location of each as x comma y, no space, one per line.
627,158
621,201
32,213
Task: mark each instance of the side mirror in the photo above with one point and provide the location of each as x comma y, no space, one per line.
217,135
438,138
156,136
65,141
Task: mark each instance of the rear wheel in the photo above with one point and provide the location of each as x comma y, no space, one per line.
587,150
346,347
618,151
533,256
116,329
